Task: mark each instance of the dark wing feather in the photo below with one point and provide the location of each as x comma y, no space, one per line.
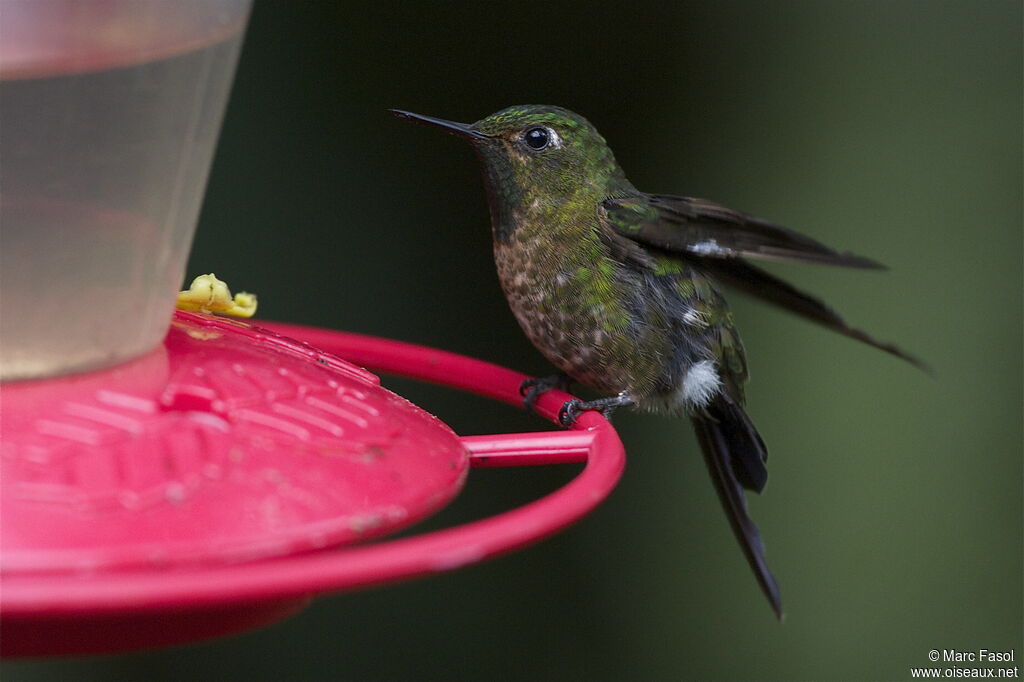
704,228
719,238
716,434
756,281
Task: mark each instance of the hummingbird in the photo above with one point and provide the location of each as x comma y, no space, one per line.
621,290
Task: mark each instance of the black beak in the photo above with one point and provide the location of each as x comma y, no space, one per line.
460,129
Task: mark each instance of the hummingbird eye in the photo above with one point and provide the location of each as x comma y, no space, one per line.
537,139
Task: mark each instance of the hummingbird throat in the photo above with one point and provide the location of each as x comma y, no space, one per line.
524,191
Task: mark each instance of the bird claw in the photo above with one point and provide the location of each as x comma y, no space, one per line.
528,387
570,412
572,409
531,389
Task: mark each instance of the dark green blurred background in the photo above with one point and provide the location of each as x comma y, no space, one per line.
893,518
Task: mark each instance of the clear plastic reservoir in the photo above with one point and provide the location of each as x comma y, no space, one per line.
109,114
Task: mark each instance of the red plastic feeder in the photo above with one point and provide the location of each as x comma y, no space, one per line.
222,480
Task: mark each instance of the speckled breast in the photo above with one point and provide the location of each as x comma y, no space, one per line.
584,313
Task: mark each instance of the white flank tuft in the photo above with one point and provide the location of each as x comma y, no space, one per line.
700,384
694,318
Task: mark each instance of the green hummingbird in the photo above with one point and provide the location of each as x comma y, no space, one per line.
620,289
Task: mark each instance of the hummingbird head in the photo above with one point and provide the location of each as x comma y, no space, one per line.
538,159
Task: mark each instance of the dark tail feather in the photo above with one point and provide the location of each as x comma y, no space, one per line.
731,446
756,281
747,452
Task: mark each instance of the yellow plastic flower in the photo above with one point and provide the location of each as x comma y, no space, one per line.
210,295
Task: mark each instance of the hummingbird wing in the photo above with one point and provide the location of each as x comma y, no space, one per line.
719,238
765,286
725,435
704,228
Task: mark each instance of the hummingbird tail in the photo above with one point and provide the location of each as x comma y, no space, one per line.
735,456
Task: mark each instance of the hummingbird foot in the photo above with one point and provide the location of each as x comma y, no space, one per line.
531,389
572,409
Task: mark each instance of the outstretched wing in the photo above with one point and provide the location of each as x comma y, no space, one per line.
765,286
704,228
720,239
